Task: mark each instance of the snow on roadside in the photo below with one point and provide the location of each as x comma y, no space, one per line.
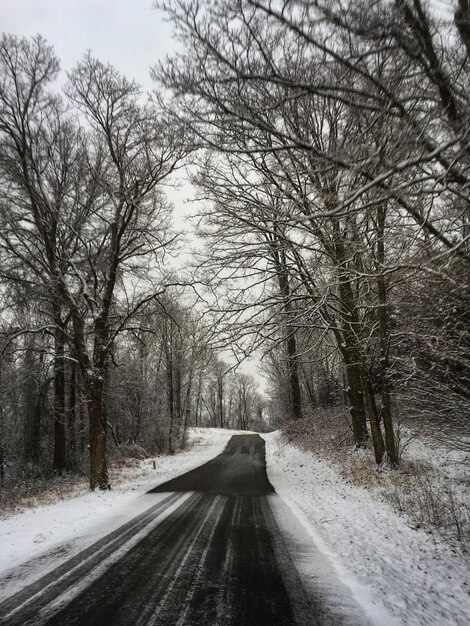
453,462
38,539
419,581
446,462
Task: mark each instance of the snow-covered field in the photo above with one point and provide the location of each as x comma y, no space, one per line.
414,576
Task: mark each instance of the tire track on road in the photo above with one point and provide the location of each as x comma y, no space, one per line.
25,605
211,553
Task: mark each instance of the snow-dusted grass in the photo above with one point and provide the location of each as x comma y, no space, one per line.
417,577
430,488
434,490
39,538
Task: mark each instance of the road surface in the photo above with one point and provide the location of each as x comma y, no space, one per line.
218,547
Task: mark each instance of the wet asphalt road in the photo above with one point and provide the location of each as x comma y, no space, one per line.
209,552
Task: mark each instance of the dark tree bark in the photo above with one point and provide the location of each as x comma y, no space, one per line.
462,21
282,273
351,350
97,434
390,441
60,449
170,388
72,416
220,399
374,421
34,404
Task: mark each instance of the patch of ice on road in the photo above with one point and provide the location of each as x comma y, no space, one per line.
390,567
36,540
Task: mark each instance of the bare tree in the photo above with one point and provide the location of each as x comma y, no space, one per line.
85,212
130,225
353,114
46,194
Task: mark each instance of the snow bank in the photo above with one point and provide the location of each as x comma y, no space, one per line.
416,578
38,539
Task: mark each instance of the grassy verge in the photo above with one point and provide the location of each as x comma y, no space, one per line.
430,488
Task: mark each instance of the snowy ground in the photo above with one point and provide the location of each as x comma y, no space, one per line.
389,565
38,539
400,575
448,469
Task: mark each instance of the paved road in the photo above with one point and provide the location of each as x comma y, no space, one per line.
217,548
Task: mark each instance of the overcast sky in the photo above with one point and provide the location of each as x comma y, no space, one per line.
130,34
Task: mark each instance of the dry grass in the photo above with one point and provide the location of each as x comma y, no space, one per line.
418,490
328,431
431,500
26,488
33,492
126,455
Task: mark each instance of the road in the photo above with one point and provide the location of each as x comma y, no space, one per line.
218,547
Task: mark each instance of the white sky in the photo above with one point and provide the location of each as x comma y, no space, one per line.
130,34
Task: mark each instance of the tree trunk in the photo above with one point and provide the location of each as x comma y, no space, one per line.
92,374
98,434
356,402
310,389
60,449
72,417
2,435
294,378
83,421
178,393
390,441
187,403
350,349
295,392
198,397
171,398
220,400
34,404
2,454
140,391
354,390
377,438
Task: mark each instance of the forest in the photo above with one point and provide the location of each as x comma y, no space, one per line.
327,145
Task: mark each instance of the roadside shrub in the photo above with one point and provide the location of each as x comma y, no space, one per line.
431,500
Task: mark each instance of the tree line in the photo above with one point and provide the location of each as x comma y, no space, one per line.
96,342
328,146
333,178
